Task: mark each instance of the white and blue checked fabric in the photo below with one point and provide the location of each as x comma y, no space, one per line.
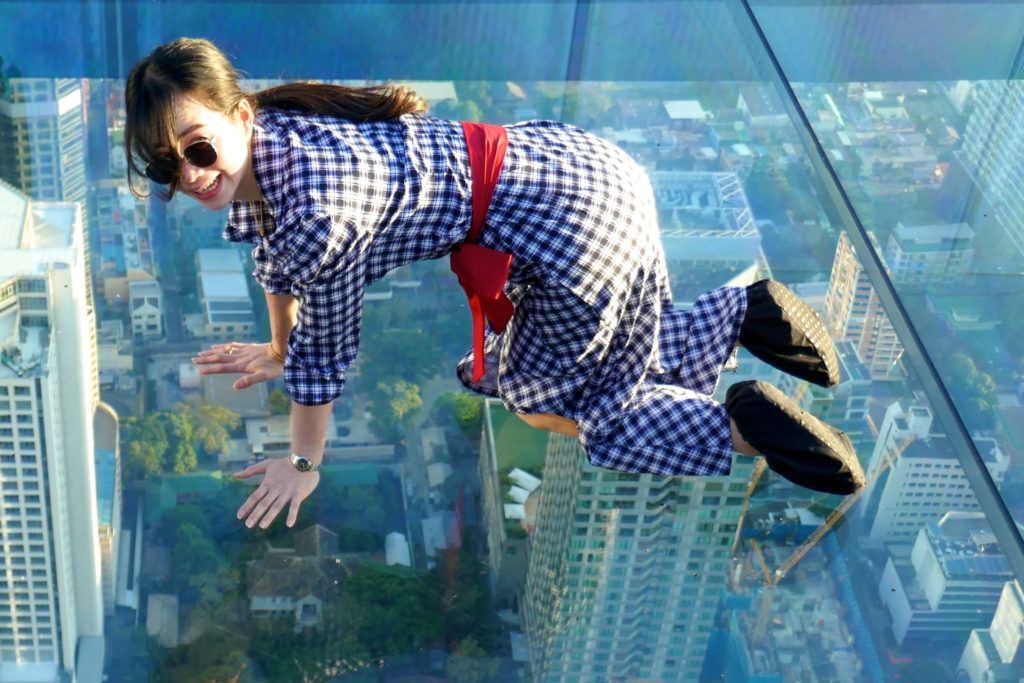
595,336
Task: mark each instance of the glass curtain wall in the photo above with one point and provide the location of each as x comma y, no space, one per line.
864,154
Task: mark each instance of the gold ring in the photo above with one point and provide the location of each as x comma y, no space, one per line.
232,349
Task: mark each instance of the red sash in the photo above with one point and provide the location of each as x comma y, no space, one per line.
482,272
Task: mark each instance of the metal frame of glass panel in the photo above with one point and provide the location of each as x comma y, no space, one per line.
989,499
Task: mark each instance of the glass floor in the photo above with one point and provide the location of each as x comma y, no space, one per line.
867,154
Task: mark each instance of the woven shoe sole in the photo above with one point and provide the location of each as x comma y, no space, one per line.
796,444
786,333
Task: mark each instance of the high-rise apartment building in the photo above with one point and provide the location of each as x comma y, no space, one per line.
626,571
991,138
51,601
42,138
854,312
996,654
924,479
927,254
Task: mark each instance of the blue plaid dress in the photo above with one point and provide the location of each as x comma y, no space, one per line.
595,336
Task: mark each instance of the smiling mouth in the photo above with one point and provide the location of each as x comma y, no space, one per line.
209,190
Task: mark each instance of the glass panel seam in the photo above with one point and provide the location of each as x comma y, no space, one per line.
991,502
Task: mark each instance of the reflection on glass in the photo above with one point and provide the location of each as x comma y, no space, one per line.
930,170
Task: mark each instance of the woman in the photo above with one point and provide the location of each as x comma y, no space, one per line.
336,186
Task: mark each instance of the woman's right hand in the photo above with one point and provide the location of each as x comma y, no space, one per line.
255,362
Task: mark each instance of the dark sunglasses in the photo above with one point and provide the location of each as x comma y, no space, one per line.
200,154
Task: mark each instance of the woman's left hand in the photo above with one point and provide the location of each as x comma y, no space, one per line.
282,485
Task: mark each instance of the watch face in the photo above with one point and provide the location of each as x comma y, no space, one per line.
302,464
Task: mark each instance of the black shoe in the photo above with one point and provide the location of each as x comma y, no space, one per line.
786,333
796,444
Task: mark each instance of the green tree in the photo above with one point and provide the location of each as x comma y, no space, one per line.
470,663
213,589
462,408
280,403
146,445
193,554
179,516
218,657
396,613
322,655
393,403
361,507
401,354
211,424
183,451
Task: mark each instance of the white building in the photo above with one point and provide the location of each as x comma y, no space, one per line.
146,307
116,355
224,297
707,225
996,654
925,254
396,550
125,255
51,583
949,583
924,480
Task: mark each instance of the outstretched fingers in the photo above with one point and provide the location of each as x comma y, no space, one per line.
251,378
220,358
265,509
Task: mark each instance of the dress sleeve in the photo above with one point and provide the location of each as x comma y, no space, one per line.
247,224
328,278
267,274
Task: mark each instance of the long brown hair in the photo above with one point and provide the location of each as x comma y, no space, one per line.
195,67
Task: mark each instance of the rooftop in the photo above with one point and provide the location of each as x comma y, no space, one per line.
34,235
24,347
13,214
933,236
685,110
517,444
966,548
215,260
703,202
936,446
224,285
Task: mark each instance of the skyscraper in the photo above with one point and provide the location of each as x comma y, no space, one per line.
42,137
854,312
926,254
626,570
51,603
992,136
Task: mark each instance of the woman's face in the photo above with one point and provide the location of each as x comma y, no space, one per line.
230,176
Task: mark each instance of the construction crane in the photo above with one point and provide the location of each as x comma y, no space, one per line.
771,579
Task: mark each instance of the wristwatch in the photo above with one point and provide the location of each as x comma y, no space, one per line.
303,464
